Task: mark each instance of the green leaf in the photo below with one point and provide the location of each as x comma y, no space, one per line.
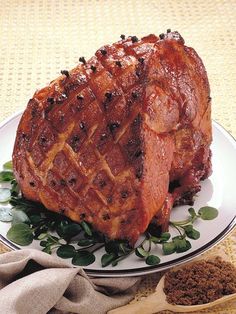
124,247
66,251
5,214
20,234
107,259
71,230
114,263
35,219
39,230
6,176
165,236
8,165
85,242
19,216
26,205
179,237
5,195
181,244
47,249
86,228
140,252
112,246
155,240
60,227
51,225
117,246
191,232
192,212
52,239
83,258
188,245
152,260
43,243
168,248
208,213
14,188
67,230
42,236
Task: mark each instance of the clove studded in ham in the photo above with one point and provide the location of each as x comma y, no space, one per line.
121,138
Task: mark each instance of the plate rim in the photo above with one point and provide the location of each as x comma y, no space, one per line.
148,269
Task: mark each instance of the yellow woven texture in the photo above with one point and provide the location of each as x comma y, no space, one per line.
39,38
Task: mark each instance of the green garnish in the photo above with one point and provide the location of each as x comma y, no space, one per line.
168,248
66,251
78,241
83,258
6,176
86,228
140,252
20,234
7,165
191,232
108,258
152,260
208,213
181,244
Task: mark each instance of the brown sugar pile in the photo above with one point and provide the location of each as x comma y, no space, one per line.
201,282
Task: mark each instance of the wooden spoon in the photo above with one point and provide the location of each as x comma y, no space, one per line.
157,302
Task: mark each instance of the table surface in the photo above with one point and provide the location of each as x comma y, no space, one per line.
39,38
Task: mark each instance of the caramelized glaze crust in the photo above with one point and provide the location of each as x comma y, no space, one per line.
121,138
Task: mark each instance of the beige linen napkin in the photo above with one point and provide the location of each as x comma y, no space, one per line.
34,282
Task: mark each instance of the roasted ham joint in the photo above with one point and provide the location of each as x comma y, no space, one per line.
120,139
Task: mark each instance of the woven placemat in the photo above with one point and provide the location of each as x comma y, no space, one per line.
40,38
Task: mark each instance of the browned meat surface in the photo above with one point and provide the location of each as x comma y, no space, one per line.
121,138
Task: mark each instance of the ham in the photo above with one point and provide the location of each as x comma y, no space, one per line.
120,139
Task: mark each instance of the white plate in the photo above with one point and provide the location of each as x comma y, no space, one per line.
217,191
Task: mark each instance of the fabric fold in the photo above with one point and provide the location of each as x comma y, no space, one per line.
34,282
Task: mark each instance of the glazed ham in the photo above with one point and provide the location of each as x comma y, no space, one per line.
120,139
